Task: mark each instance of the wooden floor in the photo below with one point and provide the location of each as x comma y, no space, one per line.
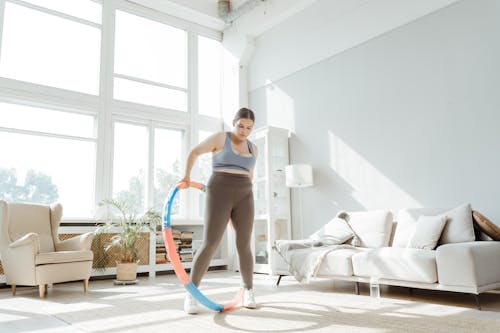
155,305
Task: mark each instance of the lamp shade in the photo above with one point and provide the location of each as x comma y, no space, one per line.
299,175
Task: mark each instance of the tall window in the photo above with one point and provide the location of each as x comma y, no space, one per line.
167,167
66,138
150,62
89,10
204,169
130,164
203,172
47,156
42,46
209,77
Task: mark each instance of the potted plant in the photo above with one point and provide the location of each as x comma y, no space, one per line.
130,228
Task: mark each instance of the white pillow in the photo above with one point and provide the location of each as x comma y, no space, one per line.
407,221
459,227
427,232
372,228
333,233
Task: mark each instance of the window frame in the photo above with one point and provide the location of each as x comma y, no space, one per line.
45,89
107,110
30,102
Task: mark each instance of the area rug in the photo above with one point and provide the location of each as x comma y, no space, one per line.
155,305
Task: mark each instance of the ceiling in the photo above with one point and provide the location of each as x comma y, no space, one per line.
261,18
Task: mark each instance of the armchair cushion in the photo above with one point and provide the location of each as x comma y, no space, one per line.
78,243
62,257
34,219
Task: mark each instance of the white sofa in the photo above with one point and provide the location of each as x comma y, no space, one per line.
459,263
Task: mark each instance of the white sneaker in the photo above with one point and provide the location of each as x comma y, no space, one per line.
249,299
190,304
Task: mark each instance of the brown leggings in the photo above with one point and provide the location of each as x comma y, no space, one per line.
229,197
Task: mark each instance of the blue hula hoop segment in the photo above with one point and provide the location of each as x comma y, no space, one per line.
174,256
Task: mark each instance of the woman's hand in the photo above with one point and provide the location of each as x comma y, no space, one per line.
185,179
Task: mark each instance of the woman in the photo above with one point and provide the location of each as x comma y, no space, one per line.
229,197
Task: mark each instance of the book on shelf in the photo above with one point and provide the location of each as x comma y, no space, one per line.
182,256
183,240
187,236
186,254
159,238
176,234
161,258
161,249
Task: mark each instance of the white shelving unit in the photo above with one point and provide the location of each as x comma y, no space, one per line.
271,197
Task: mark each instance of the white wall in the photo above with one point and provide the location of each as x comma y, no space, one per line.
406,119
238,42
328,27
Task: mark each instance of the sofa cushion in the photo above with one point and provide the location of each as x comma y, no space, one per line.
415,265
338,262
468,264
407,221
459,227
334,232
427,232
372,228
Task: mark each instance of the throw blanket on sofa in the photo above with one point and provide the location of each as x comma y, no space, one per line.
305,256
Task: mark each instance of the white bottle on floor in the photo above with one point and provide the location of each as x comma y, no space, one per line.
375,288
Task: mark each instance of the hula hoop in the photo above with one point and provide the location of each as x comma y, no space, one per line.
174,256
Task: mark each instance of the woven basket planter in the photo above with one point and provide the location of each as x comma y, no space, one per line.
126,271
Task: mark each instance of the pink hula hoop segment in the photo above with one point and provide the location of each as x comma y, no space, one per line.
174,256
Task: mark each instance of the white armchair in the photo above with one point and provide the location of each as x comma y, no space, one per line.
31,252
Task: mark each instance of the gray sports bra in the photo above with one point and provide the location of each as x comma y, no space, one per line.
228,159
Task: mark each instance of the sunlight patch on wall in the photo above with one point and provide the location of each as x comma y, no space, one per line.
371,188
280,107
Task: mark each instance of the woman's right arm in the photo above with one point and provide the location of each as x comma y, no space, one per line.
210,144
